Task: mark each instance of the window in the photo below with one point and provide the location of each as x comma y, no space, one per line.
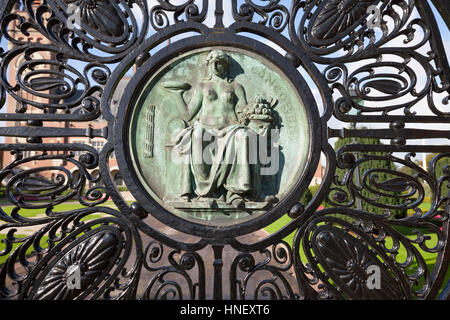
28,154
98,145
78,153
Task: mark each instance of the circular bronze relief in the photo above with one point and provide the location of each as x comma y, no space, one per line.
215,138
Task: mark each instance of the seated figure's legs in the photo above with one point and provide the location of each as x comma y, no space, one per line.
235,178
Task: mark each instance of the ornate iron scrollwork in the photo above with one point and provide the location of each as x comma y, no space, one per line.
62,68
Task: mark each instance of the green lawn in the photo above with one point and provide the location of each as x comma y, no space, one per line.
424,206
430,258
43,244
30,213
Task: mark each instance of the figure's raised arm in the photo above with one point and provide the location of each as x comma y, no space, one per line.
186,110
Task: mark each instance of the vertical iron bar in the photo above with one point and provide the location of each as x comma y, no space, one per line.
359,205
219,15
218,264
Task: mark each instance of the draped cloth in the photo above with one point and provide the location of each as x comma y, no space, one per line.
213,158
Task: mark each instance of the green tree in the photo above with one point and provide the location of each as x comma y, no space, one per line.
381,177
306,197
442,168
441,165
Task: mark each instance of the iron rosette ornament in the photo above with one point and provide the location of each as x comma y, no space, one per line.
41,251
113,24
83,257
345,243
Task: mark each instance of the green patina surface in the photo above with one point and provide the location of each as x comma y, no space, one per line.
204,93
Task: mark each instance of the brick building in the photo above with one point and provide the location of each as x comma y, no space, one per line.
318,175
13,105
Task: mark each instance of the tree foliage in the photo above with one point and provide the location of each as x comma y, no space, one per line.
392,200
442,168
307,196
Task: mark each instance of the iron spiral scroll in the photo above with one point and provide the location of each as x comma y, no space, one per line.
354,62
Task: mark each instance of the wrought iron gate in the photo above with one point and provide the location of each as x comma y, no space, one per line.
378,64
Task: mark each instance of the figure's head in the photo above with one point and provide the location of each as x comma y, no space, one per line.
218,62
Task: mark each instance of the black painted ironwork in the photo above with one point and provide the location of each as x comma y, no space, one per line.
328,41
